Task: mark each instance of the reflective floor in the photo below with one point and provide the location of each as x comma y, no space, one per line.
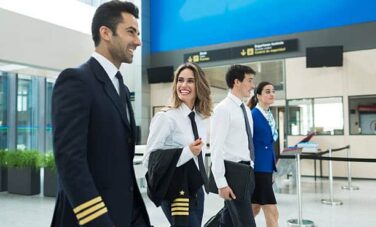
358,209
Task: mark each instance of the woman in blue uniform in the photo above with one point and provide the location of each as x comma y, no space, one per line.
264,136
172,128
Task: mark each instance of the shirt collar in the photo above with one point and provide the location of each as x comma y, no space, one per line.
234,99
185,109
110,68
261,109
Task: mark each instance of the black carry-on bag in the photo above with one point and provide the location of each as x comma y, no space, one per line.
215,220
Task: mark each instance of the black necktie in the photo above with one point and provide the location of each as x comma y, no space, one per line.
122,93
249,133
199,157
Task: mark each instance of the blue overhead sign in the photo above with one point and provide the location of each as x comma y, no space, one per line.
181,24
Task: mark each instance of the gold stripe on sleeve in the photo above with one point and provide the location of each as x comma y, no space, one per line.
180,209
87,204
93,216
179,213
181,200
90,210
180,204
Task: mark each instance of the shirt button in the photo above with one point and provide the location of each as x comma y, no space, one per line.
266,147
131,188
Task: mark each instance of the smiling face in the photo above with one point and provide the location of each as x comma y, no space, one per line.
186,87
123,43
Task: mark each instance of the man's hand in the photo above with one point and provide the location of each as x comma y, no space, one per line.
226,193
196,146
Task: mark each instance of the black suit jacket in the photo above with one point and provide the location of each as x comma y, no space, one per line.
166,181
94,149
161,169
178,185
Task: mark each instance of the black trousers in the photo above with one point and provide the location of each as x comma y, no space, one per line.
238,213
139,218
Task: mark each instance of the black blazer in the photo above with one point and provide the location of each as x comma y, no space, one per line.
94,149
178,185
166,181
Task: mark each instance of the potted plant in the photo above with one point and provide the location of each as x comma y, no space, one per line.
50,175
24,172
3,172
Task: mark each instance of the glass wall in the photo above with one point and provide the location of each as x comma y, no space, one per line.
328,116
27,112
324,116
48,141
299,116
362,115
3,110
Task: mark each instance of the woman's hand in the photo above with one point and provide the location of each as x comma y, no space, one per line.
196,146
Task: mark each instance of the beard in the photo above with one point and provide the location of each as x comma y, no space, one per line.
123,57
120,53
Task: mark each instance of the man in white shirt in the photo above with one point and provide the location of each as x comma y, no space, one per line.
231,140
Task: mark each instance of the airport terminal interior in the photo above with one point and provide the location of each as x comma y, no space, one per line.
319,57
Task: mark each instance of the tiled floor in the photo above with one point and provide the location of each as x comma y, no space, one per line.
358,209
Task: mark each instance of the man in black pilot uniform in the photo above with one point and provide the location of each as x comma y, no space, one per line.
94,130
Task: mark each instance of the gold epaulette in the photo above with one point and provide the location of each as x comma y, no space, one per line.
90,210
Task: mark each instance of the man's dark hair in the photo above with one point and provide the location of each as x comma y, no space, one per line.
237,72
109,15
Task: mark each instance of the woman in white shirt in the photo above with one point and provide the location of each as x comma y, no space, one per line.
172,128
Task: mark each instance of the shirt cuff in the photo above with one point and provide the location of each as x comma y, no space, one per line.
185,156
221,182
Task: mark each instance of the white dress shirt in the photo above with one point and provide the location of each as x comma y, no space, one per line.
229,139
173,129
110,69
